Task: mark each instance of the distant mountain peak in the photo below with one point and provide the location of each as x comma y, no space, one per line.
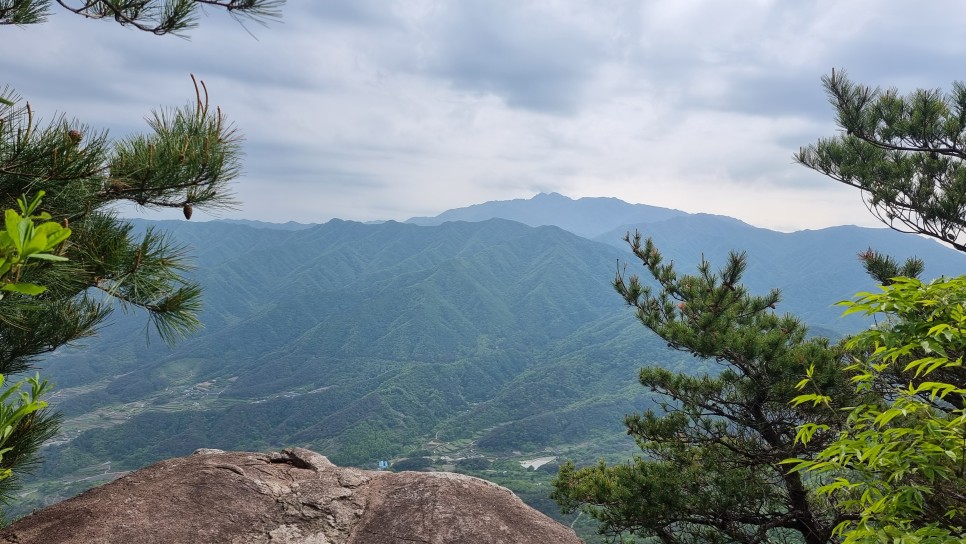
587,216
550,196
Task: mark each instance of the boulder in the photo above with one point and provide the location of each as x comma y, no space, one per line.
294,496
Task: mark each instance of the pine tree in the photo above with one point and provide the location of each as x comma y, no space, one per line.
891,466
711,469
907,156
185,161
899,463
904,153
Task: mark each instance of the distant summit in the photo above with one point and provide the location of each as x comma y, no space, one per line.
587,217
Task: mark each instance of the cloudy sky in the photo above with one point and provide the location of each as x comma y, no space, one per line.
375,109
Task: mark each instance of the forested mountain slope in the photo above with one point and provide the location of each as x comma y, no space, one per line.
362,341
379,341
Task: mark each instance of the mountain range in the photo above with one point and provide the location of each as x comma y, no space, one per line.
490,331
587,217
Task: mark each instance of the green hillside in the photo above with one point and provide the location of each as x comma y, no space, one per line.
363,342
490,340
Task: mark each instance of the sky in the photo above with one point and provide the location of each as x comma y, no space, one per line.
379,109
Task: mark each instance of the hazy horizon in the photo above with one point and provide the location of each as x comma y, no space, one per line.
370,110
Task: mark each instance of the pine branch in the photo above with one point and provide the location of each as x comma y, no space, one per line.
23,12
904,153
162,17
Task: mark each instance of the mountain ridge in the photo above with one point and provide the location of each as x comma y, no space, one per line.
585,216
390,340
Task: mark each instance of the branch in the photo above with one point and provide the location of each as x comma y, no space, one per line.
170,17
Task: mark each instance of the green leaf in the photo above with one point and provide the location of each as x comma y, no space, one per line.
24,288
35,244
12,222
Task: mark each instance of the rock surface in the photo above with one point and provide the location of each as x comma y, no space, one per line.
291,497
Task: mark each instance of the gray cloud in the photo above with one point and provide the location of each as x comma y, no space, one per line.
532,58
364,13
366,109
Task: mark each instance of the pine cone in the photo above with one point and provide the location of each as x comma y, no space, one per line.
187,211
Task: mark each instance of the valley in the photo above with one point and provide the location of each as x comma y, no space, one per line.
475,346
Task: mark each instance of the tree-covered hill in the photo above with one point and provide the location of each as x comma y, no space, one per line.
378,341
362,341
